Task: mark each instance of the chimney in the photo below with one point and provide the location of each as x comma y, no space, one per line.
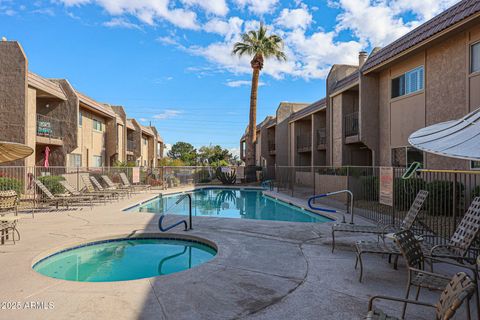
362,57
4,39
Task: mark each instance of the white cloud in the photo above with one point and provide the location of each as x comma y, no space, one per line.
166,148
295,18
240,83
121,23
258,6
235,152
229,29
216,7
167,114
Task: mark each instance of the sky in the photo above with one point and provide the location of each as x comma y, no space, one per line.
169,62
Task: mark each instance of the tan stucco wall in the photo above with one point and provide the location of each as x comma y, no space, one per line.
337,131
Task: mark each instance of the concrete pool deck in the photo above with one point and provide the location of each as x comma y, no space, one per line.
263,270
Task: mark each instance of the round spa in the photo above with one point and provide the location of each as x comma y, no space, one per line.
125,259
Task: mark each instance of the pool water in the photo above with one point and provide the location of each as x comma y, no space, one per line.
125,259
232,203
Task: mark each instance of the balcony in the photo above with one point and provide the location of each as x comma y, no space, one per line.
304,143
271,148
130,146
48,130
321,139
350,125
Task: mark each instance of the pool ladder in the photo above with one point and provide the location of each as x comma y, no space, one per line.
328,194
184,222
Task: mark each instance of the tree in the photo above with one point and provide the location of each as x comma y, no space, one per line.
185,152
215,156
260,46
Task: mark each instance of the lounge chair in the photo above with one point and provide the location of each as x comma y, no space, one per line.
8,223
89,188
459,289
127,183
116,186
381,229
100,188
75,192
61,199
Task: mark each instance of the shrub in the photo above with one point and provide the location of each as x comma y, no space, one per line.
476,192
226,178
405,192
53,183
441,197
11,184
370,188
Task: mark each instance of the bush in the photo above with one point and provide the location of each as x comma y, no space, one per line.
405,192
370,188
476,192
441,198
11,184
53,183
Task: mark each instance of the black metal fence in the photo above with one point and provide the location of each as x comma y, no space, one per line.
450,193
350,123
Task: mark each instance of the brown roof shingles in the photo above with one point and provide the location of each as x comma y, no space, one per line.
310,109
446,19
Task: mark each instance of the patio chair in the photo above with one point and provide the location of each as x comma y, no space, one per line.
459,289
89,188
100,188
61,200
115,186
74,192
381,229
127,183
8,204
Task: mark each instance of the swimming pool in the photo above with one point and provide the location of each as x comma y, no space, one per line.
125,259
231,203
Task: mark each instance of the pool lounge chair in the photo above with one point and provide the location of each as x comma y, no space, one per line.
74,192
458,290
381,229
116,187
89,188
127,183
61,199
8,222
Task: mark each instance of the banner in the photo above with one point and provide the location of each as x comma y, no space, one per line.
386,186
136,175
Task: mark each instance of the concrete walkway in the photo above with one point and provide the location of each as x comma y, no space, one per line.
263,270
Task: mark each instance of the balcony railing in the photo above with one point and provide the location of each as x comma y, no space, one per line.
271,146
350,124
321,137
304,142
48,127
130,145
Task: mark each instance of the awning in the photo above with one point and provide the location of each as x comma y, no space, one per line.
456,139
10,151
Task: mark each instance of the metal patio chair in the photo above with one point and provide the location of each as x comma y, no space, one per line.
127,183
89,188
115,193
116,186
8,204
61,199
381,229
74,192
459,289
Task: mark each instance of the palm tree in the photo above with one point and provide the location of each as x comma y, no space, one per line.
260,46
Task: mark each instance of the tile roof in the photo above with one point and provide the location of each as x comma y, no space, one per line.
47,86
147,130
347,81
446,19
130,124
316,106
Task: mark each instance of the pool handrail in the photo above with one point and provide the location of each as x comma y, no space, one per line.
328,194
183,221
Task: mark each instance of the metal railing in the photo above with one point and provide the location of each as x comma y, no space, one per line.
350,124
321,137
450,194
304,142
130,145
48,127
271,146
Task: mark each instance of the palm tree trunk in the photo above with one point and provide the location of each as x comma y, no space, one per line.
252,124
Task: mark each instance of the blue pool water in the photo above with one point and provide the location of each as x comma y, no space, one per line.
125,259
232,203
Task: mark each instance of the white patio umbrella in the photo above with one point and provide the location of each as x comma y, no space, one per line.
11,151
456,139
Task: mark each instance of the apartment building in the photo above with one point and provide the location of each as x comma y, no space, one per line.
54,118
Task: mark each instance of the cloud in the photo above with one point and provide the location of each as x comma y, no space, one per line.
166,148
121,23
227,28
167,114
295,18
235,152
240,83
258,6
216,7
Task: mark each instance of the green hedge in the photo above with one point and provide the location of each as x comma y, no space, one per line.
370,188
53,183
406,191
476,192
11,184
441,198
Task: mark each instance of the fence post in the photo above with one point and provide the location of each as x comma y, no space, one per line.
348,188
394,191
293,179
454,205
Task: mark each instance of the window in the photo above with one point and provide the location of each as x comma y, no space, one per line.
475,165
97,125
97,161
75,160
405,156
410,82
475,58
80,118
144,141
